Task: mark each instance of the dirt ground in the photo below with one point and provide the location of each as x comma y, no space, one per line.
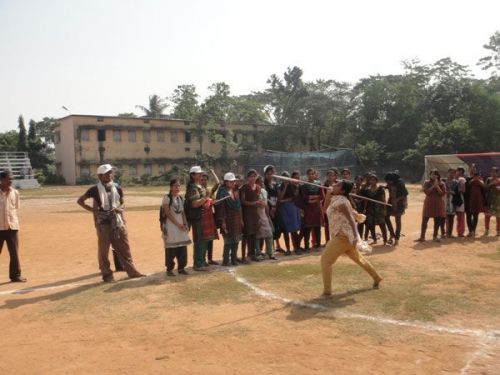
212,324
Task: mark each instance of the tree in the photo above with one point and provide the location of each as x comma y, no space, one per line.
32,132
127,114
9,140
155,108
45,129
21,143
185,101
492,61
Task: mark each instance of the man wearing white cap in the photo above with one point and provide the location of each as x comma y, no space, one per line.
109,223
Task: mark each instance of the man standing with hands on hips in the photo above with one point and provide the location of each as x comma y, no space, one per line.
9,224
109,223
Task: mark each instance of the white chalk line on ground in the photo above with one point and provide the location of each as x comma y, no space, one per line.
486,339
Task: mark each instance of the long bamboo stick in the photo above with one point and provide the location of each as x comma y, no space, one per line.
326,187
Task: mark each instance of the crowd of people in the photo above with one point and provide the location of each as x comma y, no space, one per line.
256,214
462,197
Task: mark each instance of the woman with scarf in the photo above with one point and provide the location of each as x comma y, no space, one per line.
375,213
433,205
313,215
266,230
272,202
398,198
211,195
289,218
200,217
229,219
249,196
175,231
344,235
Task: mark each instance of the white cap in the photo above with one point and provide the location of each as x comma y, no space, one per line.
105,168
229,177
196,169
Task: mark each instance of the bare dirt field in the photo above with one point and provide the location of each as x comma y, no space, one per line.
437,312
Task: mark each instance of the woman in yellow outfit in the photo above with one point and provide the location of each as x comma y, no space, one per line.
344,235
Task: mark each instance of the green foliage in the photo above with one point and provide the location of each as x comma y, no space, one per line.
155,108
370,153
22,142
9,140
185,101
492,61
127,114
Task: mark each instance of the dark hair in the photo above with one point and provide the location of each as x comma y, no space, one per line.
347,187
346,170
295,173
310,170
173,181
285,174
268,167
333,170
252,171
391,177
259,180
436,172
6,173
372,176
451,170
239,177
461,169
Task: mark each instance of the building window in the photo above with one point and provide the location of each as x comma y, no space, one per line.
186,122
132,170
117,135
57,137
173,136
160,135
131,135
146,121
147,169
84,134
187,137
187,149
146,136
100,119
161,169
101,135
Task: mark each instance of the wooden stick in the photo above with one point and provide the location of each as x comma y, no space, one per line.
369,199
222,199
326,187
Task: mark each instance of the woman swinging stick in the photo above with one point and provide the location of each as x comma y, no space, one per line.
344,235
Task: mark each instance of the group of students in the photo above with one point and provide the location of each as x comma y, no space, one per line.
461,197
255,213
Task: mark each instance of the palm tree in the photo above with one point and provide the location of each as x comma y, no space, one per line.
156,107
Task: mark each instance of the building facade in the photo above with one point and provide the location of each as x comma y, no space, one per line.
141,146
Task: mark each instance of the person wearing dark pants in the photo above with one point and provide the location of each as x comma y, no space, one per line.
228,218
174,228
398,198
9,224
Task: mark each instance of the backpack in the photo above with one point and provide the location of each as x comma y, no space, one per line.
457,200
192,214
163,217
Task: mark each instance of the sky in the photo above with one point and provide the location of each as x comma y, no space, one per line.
104,57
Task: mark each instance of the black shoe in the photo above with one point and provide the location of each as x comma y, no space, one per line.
280,251
234,263
183,272
110,279
19,279
272,257
288,252
255,259
170,273
299,252
213,262
225,264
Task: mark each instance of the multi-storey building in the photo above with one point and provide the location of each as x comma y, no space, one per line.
139,146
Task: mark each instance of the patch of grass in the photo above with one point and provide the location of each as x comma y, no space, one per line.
492,256
415,294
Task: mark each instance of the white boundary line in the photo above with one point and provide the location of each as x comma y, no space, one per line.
486,339
36,289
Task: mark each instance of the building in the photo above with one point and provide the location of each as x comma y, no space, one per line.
140,146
